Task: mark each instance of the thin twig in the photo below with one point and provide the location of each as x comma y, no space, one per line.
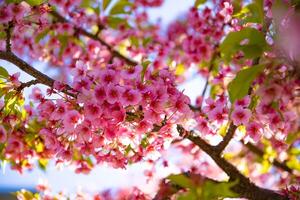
81,31
24,66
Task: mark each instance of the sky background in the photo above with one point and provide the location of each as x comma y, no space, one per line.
101,177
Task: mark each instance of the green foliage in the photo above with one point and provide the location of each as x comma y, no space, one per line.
34,2
239,86
212,190
254,44
120,7
181,180
199,2
207,190
27,195
3,73
43,163
253,12
145,65
115,22
105,4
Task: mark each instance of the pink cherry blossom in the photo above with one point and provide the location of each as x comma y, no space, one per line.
71,120
36,94
253,130
130,97
240,116
244,102
113,93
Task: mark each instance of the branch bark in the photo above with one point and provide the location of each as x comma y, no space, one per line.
245,188
24,66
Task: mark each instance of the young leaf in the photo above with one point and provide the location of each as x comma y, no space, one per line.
252,13
105,4
199,2
3,72
181,180
254,43
211,190
34,2
119,7
239,86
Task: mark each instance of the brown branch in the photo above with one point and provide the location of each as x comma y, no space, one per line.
229,135
245,188
24,66
27,84
8,36
114,52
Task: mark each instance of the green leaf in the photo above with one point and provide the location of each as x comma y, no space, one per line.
115,22
105,4
253,12
239,86
188,196
41,35
212,190
34,2
254,43
3,72
119,7
181,180
145,65
43,164
199,2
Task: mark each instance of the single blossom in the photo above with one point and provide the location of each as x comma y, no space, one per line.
113,93
71,120
240,116
244,102
254,131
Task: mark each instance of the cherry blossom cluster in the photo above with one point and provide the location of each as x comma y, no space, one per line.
114,106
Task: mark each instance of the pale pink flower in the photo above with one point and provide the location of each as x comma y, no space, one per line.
109,76
253,130
130,97
36,94
71,119
244,102
227,11
113,93
218,114
144,126
203,126
240,116
100,93
15,79
92,111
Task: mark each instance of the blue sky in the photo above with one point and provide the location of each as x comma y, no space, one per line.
102,177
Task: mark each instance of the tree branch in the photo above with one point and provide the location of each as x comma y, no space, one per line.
24,66
245,188
229,135
95,37
8,36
